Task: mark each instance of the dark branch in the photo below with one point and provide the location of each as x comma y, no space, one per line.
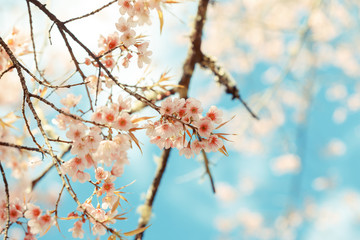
225,79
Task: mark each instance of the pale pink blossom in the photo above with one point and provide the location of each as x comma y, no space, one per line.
41,224
101,174
107,187
32,211
126,7
213,143
77,231
124,104
98,229
14,213
143,54
159,141
214,114
117,170
167,107
193,108
197,146
142,13
165,130
70,100
187,152
124,25
108,201
128,38
205,127
81,176
126,60
76,131
79,148
62,121
123,142
123,122
108,115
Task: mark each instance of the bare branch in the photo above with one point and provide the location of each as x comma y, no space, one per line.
224,78
91,13
207,168
7,194
6,144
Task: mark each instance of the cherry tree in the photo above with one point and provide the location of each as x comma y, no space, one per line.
77,114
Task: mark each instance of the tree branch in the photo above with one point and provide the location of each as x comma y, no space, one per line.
225,79
7,194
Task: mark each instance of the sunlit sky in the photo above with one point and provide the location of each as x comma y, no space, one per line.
253,192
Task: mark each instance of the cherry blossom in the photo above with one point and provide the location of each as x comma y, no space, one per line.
77,231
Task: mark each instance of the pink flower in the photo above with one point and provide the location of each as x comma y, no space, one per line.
159,141
108,201
101,174
126,7
40,224
81,176
117,170
124,104
79,163
76,131
187,152
124,25
126,60
70,100
143,54
167,107
128,38
197,146
165,130
14,213
77,231
108,115
123,142
33,211
80,148
108,187
98,229
205,127
193,108
213,143
214,114
123,122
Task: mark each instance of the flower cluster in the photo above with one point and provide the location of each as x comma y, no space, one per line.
99,147
103,147
37,223
88,145
18,45
179,117
135,13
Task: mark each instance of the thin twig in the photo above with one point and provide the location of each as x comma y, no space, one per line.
6,144
91,13
207,168
47,170
7,194
224,78
7,70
